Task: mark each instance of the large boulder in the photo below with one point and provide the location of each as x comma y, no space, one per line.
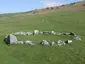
10,39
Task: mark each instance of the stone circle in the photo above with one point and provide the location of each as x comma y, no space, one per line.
12,39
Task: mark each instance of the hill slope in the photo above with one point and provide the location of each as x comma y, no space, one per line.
61,21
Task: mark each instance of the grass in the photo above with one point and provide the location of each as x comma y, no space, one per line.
63,21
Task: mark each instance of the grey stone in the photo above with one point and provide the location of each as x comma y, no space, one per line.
53,32
41,32
72,34
52,43
10,39
68,41
28,42
59,33
67,34
24,33
77,38
21,33
20,42
60,43
29,33
17,33
46,32
44,42
36,32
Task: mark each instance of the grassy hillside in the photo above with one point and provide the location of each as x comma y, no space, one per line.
61,21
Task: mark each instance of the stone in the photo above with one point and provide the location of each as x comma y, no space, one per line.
44,42
46,32
53,32
60,43
52,43
68,41
7,39
59,33
17,33
10,39
24,33
28,42
72,34
35,32
41,32
77,38
67,34
20,42
21,33
29,33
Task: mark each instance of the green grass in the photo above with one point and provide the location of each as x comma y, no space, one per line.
66,21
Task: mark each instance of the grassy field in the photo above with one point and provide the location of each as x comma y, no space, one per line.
63,21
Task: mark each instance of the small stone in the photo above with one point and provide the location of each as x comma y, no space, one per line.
35,32
53,32
60,43
28,42
44,42
77,38
20,42
68,41
52,43
72,34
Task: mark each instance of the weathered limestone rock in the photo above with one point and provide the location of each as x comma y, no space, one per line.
10,39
